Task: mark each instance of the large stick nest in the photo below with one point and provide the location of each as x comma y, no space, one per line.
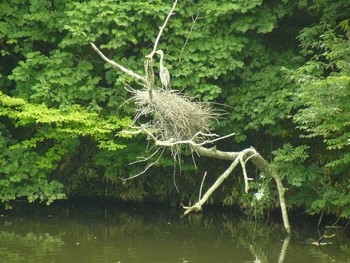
174,116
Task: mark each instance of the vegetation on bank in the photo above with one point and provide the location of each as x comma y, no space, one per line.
281,68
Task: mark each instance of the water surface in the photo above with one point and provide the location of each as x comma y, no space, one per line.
98,233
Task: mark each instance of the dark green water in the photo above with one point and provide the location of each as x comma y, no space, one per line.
98,233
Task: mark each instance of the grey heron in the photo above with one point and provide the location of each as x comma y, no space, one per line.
164,74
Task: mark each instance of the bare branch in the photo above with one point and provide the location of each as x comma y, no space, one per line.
250,157
236,157
146,168
114,64
149,77
200,190
198,206
161,29
174,178
193,160
145,159
191,142
245,175
172,143
214,153
188,37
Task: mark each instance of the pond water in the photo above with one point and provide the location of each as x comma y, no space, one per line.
118,234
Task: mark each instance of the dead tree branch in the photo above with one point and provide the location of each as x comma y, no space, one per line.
148,166
201,188
120,67
161,29
198,206
260,163
188,37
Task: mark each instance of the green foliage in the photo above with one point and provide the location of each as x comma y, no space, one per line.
323,93
263,100
57,123
28,163
289,154
324,80
289,162
333,200
24,173
57,79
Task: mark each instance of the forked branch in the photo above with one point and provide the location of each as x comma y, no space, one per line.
239,159
242,157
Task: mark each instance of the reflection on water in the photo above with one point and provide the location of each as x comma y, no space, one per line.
115,234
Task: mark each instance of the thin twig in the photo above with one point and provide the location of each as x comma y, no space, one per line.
174,178
188,37
200,189
161,29
145,159
253,155
245,175
146,168
320,219
193,160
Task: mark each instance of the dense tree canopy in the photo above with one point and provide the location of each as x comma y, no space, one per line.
279,70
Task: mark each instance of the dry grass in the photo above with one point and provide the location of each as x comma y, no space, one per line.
174,116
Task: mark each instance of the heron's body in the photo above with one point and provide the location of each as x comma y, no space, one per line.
164,74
